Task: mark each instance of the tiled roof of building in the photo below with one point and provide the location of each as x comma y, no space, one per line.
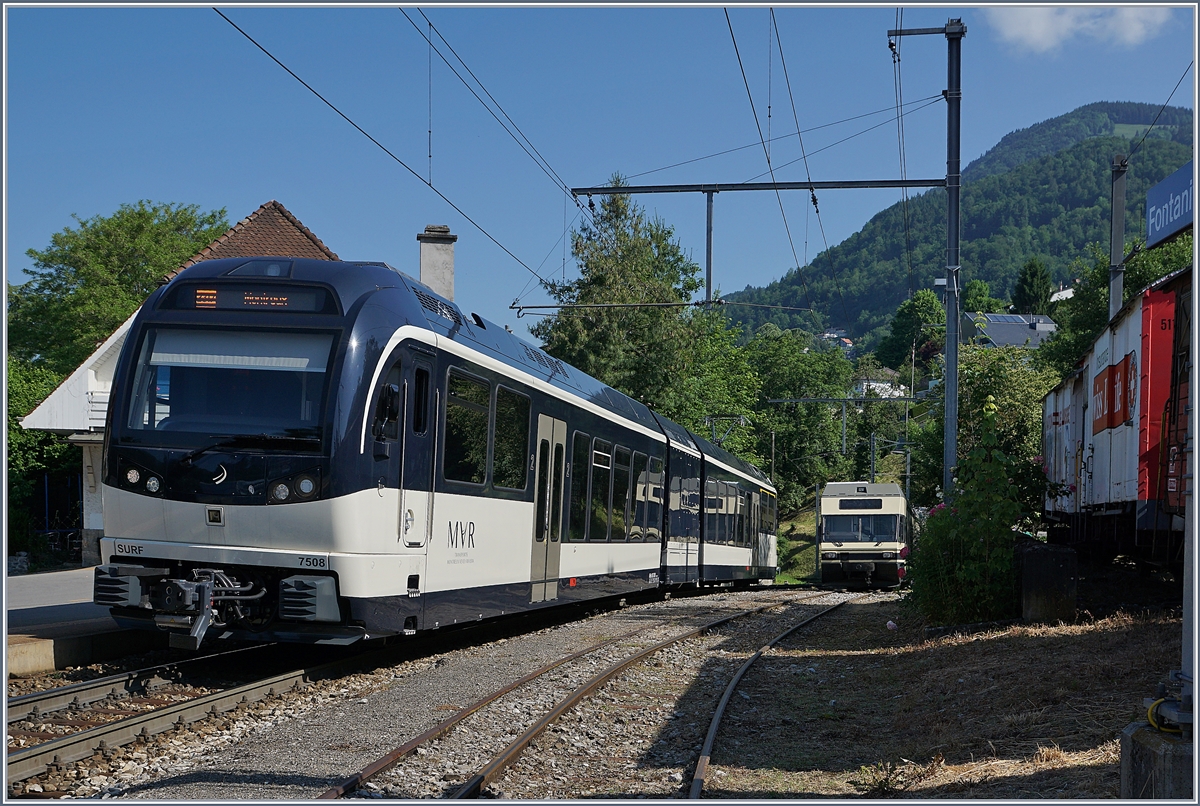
269,230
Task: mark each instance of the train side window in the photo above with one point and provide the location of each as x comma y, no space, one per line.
580,462
420,421
387,410
555,498
601,489
641,497
620,496
466,443
654,501
711,503
509,465
542,490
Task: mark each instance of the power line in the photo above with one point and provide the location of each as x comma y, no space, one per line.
523,142
898,86
808,174
767,154
784,137
1160,111
382,147
850,137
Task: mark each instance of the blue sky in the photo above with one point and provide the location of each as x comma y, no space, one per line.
106,106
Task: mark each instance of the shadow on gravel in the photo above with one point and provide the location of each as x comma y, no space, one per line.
221,784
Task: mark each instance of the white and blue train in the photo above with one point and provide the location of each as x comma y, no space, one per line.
305,450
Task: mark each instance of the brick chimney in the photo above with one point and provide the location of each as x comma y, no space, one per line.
437,259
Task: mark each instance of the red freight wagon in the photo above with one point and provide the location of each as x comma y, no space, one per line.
1115,429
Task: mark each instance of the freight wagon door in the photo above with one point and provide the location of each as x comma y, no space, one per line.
549,462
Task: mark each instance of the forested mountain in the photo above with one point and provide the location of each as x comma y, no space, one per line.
1042,191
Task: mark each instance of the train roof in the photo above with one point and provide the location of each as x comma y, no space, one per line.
725,457
353,279
864,488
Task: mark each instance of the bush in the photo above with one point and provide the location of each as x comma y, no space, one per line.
962,566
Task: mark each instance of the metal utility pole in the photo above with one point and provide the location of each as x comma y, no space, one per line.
872,457
1116,243
708,254
954,32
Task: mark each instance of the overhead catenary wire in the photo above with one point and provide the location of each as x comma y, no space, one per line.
520,309
898,87
522,141
1161,109
789,135
928,103
808,174
383,148
767,153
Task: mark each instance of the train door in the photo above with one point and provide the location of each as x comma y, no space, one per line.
418,441
549,462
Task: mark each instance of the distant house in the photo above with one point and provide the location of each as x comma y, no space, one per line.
78,407
1008,329
878,381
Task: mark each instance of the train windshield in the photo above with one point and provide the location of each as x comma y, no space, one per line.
859,528
192,385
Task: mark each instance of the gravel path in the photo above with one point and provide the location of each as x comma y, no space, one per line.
303,742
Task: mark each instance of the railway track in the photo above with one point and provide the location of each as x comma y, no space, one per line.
560,696
68,764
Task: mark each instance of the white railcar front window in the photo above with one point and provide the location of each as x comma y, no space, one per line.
859,528
230,382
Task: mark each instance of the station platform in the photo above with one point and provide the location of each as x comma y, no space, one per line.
52,624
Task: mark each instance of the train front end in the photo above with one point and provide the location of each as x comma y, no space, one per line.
862,537
220,512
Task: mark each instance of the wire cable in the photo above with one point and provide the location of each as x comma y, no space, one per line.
898,86
523,142
383,148
1160,111
808,174
767,154
782,137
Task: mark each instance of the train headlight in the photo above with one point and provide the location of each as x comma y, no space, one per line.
280,492
305,486
829,555
132,475
888,555
152,483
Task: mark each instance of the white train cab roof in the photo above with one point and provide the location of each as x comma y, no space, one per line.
843,489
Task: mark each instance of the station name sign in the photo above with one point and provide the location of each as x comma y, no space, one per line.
1169,206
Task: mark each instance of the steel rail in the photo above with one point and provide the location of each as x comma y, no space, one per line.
27,762
474,785
89,691
714,726
445,726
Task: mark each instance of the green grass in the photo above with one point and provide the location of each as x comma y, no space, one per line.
798,548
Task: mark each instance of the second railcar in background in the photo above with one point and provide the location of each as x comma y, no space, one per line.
1114,432
863,534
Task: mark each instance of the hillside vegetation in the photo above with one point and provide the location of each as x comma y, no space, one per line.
1043,191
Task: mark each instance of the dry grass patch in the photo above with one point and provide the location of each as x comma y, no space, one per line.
861,710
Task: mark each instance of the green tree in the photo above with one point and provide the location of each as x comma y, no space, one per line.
1017,386
907,329
31,454
807,436
719,382
1081,317
962,567
624,257
91,278
977,298
1033,289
